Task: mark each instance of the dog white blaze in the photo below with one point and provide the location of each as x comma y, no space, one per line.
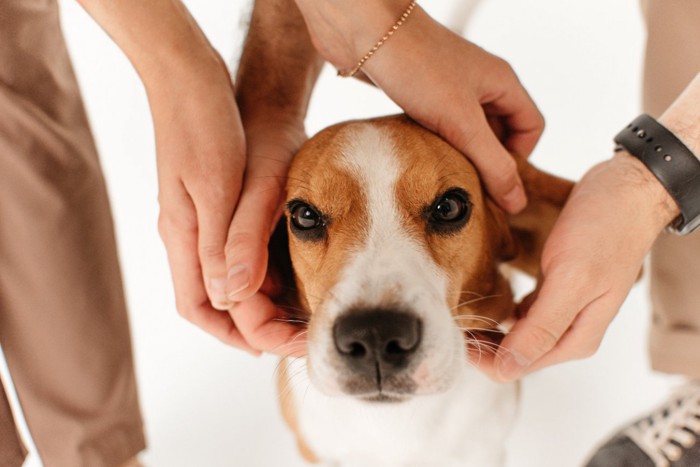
389,270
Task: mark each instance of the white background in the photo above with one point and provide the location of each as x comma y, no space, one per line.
209,405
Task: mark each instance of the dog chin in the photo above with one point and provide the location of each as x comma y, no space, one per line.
422,382
383,398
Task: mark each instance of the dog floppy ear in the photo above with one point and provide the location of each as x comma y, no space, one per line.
530,228
283,287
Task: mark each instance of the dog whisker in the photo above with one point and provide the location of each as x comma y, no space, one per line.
483,319
471,292
292,380
474,300
292,320
485,344
470,329
290,343
478,343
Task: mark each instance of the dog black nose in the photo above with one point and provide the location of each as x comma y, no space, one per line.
377,340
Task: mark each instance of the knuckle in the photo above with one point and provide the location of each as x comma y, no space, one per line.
508,167
210,251
236,240
504,176
540,121
541,339
589,349
170,225
242,241
215,196
503,69
187,312
504,66
164,227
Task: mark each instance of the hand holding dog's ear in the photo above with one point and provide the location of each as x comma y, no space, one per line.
589,264
594,255
201,160
451,86
271,146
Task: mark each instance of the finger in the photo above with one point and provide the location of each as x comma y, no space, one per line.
179,233
497,168
482,353
250,230
214,203
521,117
267,328
583,337
549,317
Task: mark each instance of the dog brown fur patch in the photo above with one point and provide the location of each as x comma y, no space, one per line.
316,178
470,257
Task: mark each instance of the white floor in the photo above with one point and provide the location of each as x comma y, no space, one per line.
208,405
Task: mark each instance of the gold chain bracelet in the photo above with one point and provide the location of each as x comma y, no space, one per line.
368,55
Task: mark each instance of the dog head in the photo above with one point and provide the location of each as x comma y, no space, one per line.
397,255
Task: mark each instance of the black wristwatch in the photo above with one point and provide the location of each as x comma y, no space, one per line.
671,162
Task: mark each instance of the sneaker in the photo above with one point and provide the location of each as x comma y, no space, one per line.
668,437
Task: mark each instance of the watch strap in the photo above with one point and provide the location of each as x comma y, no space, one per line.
671,162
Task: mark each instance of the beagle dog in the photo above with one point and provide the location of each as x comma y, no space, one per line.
398,258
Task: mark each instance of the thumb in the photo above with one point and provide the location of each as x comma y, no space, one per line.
549,317
251,227
214,214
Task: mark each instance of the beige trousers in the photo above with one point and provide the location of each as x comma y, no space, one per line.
63,322
672,61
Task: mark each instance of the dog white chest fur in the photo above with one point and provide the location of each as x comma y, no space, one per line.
465,426
382,217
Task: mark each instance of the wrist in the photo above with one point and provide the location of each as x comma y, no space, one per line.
645,187
345,30
685,128
185,67
187,79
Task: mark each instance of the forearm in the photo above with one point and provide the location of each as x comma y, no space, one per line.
160,37
279,65
683,116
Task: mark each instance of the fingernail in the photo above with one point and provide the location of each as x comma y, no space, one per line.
515,200
238,280
217,287
512,366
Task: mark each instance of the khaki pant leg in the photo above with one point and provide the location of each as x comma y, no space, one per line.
672,60
63,322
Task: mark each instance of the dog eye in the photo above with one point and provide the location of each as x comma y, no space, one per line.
304,217
450,211
450,208
306,222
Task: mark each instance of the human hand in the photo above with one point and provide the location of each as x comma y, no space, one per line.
201,160
255,285
444,82
594,255
201,146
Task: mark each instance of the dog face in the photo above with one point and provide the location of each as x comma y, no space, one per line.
396,253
